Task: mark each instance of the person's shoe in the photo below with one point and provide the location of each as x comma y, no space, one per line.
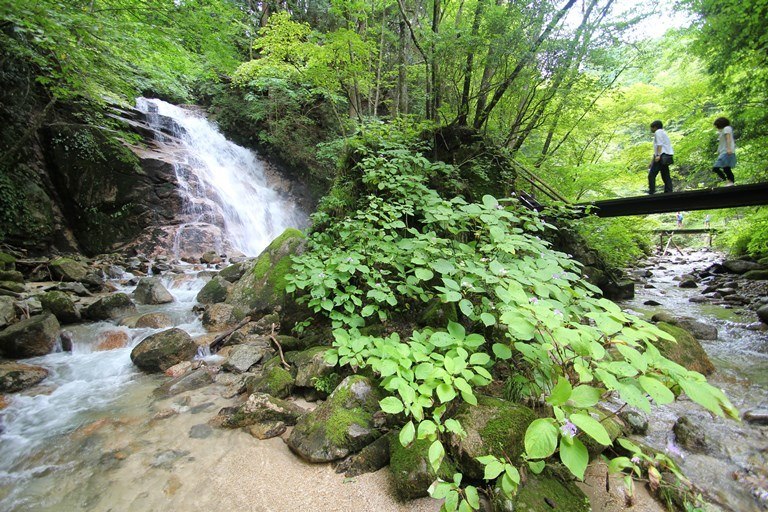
729,183
650,192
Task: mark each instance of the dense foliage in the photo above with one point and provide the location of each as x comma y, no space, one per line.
401,246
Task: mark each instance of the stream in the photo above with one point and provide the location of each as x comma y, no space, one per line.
732,471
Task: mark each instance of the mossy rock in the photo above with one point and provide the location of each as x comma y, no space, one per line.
160,351
543,493
214,291
16,376
686,352
342,425
494,427
61,305
263,287
13,276
67,269
410,471
12,286
310,365
234,272
7,262
260,408
757,275
275,381
111,307
35,336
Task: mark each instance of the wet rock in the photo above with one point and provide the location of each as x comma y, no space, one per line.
67,269
242,357
12,276
233,273
160,351
218,317
651,302
76,288
16,376
756,416
7,311
151,291
111,307
762,314
111,340
268,429
263,286
689,435
341,425
186,382
371,458
214,291
275,381
260,408
688,282
542,493
686,351
201,431
62,306
699,330
67,341
310,365
740,266
267,324
7,261
410,471
35,336
493,427
167,458
180,369
637,423
210,258
154,321
12,287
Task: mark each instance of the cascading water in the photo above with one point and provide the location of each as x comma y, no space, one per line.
223,184
51,459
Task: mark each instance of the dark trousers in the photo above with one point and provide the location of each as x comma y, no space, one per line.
655,169
725,173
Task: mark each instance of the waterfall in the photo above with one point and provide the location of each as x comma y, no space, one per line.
223,185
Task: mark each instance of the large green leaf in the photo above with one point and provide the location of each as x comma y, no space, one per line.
575,457
541,438
591,427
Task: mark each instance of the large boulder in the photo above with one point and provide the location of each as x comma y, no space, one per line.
154,321
310,365
160,351
342,425
151,291
699,330
275,381
67,269
62,306
493,427
234,272
686,351
410,471
214,291
7,261
757,275
111,307
32,337
762,314
218,317
741,266
242,357
17,376
262,288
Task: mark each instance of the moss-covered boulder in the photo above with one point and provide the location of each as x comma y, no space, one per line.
371,458
7,261
16,376
31,337
410,471
111,307
275,381
342,425
13,276
160,351
151,291
214,291
12,286
62,306
67,269
494,427
543,493
261,408
310,365
687,351
263,286
757,275
234,272
7,311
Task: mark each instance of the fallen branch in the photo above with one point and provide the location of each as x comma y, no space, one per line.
217,343
279,347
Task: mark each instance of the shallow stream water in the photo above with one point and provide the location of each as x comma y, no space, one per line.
733,471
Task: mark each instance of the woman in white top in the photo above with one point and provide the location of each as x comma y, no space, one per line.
726,151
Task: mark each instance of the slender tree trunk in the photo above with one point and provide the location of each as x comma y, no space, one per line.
402,71
375,106
435,64
466,89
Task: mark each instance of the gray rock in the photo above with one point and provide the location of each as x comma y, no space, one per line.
151,291
31,337
699,330
762,313
651,302
218,317
689,435
637,423
7,311
310,365
214,291
160,351
16,376
187,382
201,431
275,381
76,288
741,266
111,307
67,269
268,429
260,408
371,458
688,282
342,425
242,357
756,416
233,273
154,321
13,276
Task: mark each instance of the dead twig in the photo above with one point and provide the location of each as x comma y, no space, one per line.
279,347
217,343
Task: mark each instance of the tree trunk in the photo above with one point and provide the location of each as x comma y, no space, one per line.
466,89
